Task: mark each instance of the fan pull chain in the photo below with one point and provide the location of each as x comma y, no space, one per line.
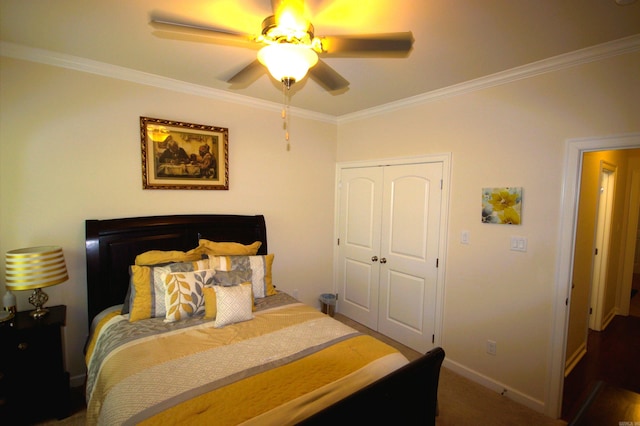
285,114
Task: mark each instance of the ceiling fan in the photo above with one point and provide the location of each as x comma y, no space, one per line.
289,47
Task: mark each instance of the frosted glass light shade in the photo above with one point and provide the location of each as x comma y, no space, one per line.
35,267
287,61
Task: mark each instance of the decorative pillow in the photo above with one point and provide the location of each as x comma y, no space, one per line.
227,279
127,300
233,304
147,288
184,296
260,267
222,249
210,301
157,257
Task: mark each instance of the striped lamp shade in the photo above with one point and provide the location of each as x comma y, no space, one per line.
35,267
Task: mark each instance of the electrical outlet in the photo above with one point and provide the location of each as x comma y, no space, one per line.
491,347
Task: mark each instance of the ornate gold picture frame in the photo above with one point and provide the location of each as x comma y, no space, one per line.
179,155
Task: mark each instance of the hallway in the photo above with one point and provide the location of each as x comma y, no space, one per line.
612,357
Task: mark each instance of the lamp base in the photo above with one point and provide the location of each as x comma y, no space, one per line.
37,299
39,313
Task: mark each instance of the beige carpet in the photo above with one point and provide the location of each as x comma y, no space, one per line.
461,401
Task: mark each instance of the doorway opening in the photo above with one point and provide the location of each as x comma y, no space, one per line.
562,302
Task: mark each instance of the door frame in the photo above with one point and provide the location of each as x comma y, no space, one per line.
574,148
445,159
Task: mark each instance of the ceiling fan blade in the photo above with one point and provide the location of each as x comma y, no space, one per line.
372,45
248,74
327,77
175,26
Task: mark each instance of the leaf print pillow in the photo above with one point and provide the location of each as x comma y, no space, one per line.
185,296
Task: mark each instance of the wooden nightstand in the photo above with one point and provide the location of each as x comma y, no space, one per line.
34,385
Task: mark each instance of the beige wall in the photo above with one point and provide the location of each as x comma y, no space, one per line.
70,151
509,135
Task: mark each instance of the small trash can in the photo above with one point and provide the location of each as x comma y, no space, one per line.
328,303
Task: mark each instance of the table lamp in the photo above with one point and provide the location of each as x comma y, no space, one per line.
34,268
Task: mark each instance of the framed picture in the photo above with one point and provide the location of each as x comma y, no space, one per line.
178,155
502,205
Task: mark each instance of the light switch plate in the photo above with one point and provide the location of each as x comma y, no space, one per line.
518,243
464,237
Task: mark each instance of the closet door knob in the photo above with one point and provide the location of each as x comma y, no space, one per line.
383,260
374,259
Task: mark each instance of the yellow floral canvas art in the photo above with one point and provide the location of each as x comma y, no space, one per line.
502,205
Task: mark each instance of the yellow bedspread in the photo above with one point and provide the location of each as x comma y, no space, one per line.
278,368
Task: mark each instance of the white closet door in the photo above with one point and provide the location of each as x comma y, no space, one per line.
409,253
359,246
389,228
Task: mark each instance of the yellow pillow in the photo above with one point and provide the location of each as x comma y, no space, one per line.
221,249
210,307
142,294
156,257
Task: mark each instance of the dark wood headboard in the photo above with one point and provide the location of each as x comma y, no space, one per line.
113,244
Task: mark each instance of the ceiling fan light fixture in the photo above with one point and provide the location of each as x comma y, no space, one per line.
286,61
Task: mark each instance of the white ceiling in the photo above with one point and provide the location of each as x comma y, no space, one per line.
455,40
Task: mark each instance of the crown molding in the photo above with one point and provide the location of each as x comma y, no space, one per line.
48,57
578,57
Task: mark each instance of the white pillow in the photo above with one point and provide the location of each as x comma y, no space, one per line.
234,304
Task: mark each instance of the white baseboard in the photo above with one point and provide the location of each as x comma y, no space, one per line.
493,385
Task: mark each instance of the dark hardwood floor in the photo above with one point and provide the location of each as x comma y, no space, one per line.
613,357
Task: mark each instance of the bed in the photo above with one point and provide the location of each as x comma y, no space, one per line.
233,349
